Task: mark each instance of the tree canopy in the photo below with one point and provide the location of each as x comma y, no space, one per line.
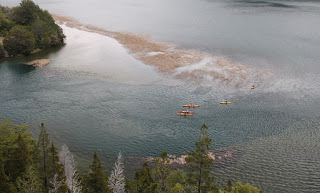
200,163
19,41
95,180
26,28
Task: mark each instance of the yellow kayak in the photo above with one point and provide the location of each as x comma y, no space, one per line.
186,111
185,114
254,86
191,105
225,102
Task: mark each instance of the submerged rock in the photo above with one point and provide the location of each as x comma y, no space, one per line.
39,63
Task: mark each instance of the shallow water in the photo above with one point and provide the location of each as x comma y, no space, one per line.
94,96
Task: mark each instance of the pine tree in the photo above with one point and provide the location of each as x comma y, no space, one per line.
30,181
200,164
5,185
117,180
56,171
43,148
161,172
96,181
229,185
9,133
19,160
143,181
178,188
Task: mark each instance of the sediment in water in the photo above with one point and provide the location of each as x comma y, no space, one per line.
189,65
39,63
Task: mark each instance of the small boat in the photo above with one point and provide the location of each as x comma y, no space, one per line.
191,105
254,86
225,102
184,114
186,111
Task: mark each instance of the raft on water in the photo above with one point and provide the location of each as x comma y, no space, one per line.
186,111
190,105
254,86
225,102
184,114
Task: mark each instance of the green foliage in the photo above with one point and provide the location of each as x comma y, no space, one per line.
229,185
1,52
200,163
26,13
55,167
177,177
30,181
243,188
46,32
19,41
143,181
161,173
9,133
5,25
20,159
178,188
4,9
28,27
40,30
42,154
95,181
5,184
11,162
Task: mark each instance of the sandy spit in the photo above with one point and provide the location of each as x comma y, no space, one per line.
190,65
39,63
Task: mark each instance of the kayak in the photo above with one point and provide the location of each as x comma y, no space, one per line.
254,86
189,105
186,111
185,114
225,102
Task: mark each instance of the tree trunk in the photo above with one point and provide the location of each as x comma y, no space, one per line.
44,166
199,185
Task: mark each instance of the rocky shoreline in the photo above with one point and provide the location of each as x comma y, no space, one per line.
180,160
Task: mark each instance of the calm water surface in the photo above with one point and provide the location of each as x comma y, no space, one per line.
94,96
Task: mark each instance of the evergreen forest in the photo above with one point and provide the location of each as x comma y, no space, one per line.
37,165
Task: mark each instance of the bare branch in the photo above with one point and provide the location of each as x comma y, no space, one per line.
117,179
71,173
